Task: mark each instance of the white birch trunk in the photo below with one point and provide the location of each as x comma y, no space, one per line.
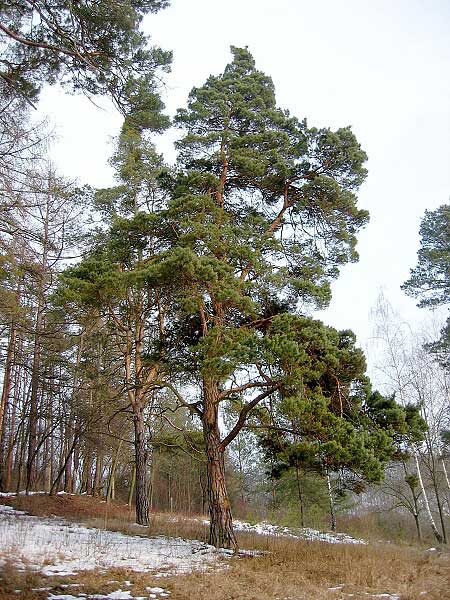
425,499
447,481
331,499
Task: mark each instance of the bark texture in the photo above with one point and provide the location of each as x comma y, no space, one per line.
141,499
221,534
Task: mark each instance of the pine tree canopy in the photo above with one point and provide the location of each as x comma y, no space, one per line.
93,47
328,418
430,278
263,209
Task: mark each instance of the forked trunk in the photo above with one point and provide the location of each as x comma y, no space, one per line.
221,534
142,506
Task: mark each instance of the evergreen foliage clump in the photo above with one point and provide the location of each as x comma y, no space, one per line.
430,278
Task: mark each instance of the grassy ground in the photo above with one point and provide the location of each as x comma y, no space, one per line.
290,570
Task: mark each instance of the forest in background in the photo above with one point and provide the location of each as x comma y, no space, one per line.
158,343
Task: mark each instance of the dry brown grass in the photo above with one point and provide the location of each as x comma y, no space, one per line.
291,569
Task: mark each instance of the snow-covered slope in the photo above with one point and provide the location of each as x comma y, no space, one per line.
311,535
58,547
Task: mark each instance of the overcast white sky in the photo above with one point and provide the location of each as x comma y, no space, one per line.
382,66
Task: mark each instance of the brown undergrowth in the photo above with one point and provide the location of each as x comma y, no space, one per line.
290,569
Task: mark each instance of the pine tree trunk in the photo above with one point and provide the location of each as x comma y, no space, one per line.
142,506
110,492
221,534
98,473
21,456
33,418
4,401
14,436
10,451
35,374
87,464
68,473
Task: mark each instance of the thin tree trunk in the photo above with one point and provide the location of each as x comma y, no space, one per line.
111,483
9,453
32,441
20,467
132,484
221,534
439,505
447,481
4,401
300,496
417,521
68,472
437,535
152,481
13,436
98,473
332,504
87,466
62,470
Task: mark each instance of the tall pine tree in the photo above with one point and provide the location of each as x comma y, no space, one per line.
262,215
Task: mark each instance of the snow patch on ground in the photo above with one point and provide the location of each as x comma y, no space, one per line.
310,535
57,547
338,588
117,595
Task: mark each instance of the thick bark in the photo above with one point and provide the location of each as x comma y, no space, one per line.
221,532
141,457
